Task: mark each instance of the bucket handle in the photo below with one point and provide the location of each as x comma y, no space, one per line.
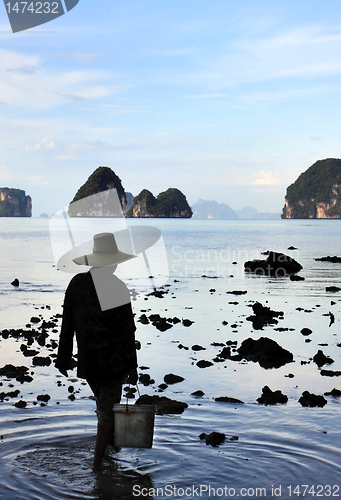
138,390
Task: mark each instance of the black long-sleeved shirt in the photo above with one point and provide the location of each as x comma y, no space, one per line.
105,339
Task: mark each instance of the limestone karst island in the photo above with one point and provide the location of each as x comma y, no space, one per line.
316,194
168,204
15,203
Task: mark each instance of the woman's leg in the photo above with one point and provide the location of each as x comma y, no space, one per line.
106,396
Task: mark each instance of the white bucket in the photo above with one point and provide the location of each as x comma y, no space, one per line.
133,425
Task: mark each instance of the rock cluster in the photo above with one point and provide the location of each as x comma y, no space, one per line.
277,265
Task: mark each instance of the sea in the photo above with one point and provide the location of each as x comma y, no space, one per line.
280,451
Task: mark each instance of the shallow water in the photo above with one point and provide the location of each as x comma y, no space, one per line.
46,451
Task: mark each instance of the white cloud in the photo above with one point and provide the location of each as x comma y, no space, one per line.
266,178
44,144
26,83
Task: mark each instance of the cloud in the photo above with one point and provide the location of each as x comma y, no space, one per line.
26,83
44,144
308,52
25,69
266,178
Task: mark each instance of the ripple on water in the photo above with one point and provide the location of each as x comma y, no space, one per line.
274,448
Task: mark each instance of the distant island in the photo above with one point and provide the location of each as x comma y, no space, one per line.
316,194
169,204
15,203
203,209
102,179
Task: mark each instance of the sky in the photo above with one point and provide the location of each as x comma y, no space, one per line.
225,100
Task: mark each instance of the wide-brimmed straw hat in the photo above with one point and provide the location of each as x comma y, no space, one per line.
104,253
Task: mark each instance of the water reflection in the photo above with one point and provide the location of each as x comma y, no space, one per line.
65,472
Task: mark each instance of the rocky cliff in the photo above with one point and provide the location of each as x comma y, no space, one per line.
102,179
316,194
168,204
15,203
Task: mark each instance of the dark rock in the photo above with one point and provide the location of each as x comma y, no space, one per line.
311,400
225,353
238,292
333,289
41,361
198,394
145,379
163,404
330,373
321,359
143,319
15,282
28,352
213,439
335,259
160,323
158,293
172,379
204,364
175,320
197,347
263,316
10,394
226,399
20,404
47,324
295,277
187,322
43,397
306,331
334,392
276,264
17,372
270,397
265,351
292,248
180,346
